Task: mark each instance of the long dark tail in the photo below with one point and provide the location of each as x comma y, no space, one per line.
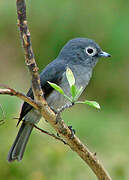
17,150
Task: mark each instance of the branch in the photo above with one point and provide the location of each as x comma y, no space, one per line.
2,121
75,144
9,91
29,55
50,134
12,92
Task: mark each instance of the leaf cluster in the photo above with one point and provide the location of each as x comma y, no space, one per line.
74,91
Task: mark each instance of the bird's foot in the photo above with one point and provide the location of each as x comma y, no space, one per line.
66,106
58,135
72,132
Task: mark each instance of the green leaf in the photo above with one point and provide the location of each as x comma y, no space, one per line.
90,103
56,87
60,90
70,99
78,93
70,77
73,90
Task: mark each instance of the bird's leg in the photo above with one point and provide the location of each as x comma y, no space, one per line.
66,106
59,111
58,118
72,132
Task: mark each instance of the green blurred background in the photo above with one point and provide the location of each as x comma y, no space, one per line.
52,23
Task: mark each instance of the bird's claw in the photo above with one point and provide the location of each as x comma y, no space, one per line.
72,132
58,135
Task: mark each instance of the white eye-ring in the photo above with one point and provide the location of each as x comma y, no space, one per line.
90,51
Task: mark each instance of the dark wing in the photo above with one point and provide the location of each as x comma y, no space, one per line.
53,73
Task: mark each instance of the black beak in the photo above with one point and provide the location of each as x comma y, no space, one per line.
104,54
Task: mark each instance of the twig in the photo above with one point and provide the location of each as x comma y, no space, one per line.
12,92
75,144
3,114
50,134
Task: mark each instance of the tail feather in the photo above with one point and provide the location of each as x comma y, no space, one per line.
17,150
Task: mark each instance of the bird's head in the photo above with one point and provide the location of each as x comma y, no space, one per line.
82,50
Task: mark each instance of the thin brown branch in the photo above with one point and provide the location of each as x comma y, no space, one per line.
75,144
29,55
50,134
2,121
12,92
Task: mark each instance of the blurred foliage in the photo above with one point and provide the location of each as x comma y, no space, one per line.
105,131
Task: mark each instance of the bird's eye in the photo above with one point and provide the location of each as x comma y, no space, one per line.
90,51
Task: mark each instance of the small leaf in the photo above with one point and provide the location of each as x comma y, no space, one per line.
56,87
69,99
78,93
70,77
73,90
90,103
60,90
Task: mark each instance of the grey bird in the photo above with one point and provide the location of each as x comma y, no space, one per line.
81,56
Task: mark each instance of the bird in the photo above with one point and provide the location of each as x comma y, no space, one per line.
80,55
